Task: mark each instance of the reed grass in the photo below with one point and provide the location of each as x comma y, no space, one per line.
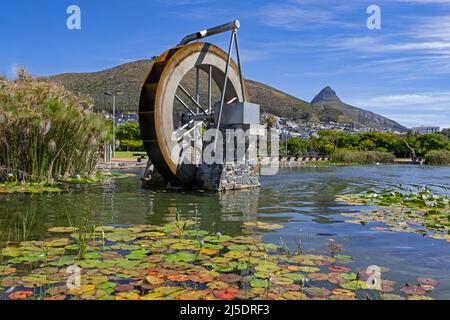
47,133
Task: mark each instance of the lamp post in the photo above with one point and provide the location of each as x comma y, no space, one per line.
113,95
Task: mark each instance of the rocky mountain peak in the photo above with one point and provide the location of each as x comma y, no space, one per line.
327,94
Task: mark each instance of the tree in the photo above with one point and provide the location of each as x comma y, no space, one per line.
129,135
429,142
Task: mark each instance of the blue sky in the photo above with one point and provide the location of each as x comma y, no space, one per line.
299,46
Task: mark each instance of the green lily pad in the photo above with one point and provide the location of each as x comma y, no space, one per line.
259,283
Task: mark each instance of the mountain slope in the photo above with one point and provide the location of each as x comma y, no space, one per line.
128,78
329,107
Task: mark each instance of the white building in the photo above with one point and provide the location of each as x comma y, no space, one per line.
426,130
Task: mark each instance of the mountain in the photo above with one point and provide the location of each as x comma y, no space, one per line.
329,107
128,78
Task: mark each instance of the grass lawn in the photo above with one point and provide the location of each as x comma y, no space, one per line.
127,154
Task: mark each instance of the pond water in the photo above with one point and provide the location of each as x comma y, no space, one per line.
302,200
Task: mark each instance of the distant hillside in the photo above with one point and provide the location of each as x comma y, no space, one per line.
128,78
329,107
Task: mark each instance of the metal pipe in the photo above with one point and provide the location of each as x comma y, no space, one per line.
210,32
210,90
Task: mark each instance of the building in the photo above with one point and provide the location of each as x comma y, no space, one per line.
426,130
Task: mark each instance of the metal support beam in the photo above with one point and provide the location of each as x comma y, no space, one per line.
222,100
240,68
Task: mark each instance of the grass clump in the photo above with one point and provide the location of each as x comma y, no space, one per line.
438,157
362,157
47,133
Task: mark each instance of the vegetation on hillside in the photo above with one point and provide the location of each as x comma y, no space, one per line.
47,133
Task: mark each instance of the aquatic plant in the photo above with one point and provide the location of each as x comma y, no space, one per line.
46,132
403,211
147,262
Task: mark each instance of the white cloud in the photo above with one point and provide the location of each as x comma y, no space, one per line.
411,109
295,17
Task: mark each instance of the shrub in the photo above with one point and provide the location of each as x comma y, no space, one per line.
438,157
362,157
46,132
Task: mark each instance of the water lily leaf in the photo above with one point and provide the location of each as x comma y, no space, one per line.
154,280
181,256
213,246
280,280
11,252
129,295
259,283
20,295
106,285
317,292
56,297
339,269
217,285
343,257
262,225
418,297
349,276
124,287
309,269
318,276
427,281
209,252
389,296
94,294
62,229
89,263
201,278
64,261
82,289
6,271
343,292
192,295
354,285
267,267
217,239
293,295
229,278
295,276
413,290
59,242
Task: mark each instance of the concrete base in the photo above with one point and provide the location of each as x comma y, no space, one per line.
225,177
215,178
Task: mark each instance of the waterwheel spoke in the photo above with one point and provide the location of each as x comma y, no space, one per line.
192,99
185,105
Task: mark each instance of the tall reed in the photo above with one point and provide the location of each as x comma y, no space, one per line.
47,133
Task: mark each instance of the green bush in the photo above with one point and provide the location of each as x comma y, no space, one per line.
47,133
438,157
362,157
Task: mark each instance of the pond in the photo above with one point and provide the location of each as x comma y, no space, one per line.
302,200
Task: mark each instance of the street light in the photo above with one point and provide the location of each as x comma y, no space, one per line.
111,94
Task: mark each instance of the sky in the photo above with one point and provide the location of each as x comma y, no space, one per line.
401,71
